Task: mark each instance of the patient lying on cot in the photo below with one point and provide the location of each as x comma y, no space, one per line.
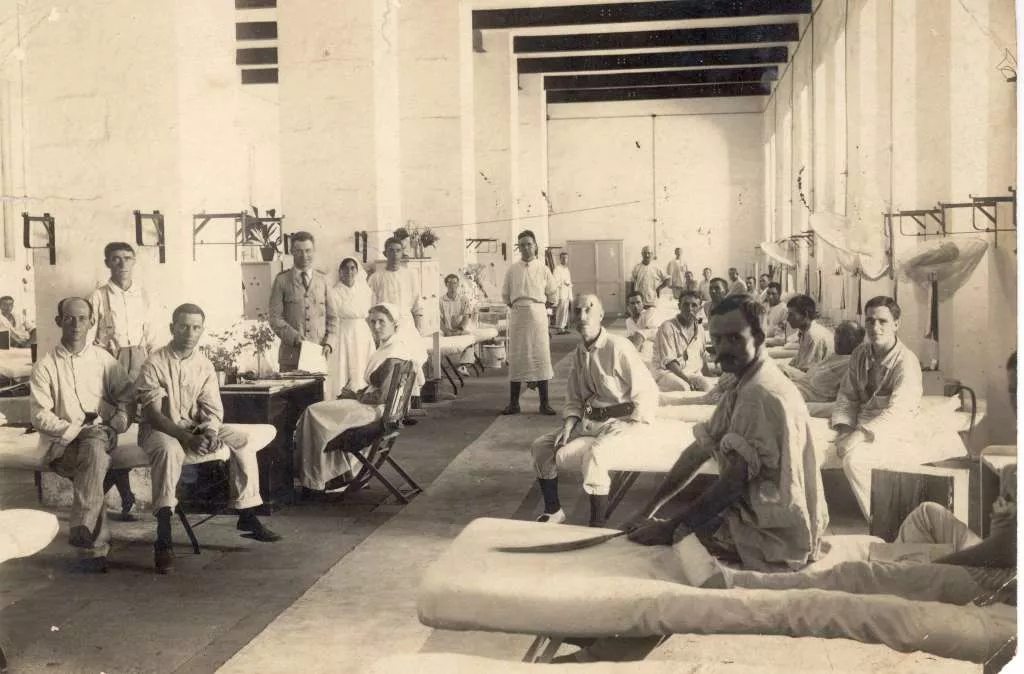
820,383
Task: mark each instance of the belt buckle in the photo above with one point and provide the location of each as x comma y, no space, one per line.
588,410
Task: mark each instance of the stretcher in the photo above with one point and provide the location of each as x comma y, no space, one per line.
623,589
453,347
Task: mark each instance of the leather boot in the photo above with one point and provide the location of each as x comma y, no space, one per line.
549,492
515,388
598,510
545,408
163,552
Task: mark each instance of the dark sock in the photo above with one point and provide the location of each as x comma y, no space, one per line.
549,491
598,510
163,527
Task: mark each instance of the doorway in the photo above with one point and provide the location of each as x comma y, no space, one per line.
596,267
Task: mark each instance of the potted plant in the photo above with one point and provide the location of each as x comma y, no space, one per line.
264,233
223,353
261,337
428,238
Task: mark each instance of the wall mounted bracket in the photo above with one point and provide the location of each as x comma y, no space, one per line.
49,225
921,217
157,218
989,209
492,245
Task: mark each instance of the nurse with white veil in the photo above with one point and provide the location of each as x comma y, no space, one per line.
354,341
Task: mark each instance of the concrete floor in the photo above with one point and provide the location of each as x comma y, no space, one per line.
339,591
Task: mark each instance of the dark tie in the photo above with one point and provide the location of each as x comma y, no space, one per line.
305,280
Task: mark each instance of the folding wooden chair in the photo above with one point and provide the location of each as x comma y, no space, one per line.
371,444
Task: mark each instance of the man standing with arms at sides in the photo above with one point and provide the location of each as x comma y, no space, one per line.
528,286
563,303
647,278
704,287
676,272
300,308
736,284
123,330
81,401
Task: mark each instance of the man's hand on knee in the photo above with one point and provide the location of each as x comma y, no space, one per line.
565,434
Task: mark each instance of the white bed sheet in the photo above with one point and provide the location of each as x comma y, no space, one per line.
16,363
623,589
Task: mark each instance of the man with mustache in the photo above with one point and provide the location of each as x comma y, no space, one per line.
766,510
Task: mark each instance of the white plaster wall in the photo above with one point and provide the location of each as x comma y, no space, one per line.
704,171
927,118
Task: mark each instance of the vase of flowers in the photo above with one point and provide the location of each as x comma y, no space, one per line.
418,238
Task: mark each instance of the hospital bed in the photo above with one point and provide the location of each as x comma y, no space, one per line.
622,589
15,364
453,347
21,451
940,421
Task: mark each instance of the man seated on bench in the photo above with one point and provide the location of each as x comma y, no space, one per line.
81,400
182,414
820,383
679,349
880,394
21,335
610,404
776,316
766,510
457,319
640,325
816,340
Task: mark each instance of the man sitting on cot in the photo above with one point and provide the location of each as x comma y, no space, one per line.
820,383
963,568
610,406
878,400
766,510
641,326
679,349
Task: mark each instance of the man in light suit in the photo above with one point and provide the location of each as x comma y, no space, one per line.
299,306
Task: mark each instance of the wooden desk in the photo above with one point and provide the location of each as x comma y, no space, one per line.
279,403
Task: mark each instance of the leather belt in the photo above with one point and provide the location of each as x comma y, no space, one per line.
610,412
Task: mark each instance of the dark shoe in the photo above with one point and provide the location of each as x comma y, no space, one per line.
127,505
258,531
163,559
92,564
409,421
511,409
548,411
80,537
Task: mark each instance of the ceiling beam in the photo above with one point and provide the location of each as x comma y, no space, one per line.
656,93
626,12
654,60
662,78
774,32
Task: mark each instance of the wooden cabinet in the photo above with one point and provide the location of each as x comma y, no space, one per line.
257,279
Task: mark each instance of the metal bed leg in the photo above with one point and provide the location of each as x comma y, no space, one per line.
188,528
534,649
554,643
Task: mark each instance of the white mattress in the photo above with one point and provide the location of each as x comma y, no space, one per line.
16,363
455,345
623,589
25,532
21,451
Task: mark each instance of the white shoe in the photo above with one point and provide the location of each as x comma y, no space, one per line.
552,518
